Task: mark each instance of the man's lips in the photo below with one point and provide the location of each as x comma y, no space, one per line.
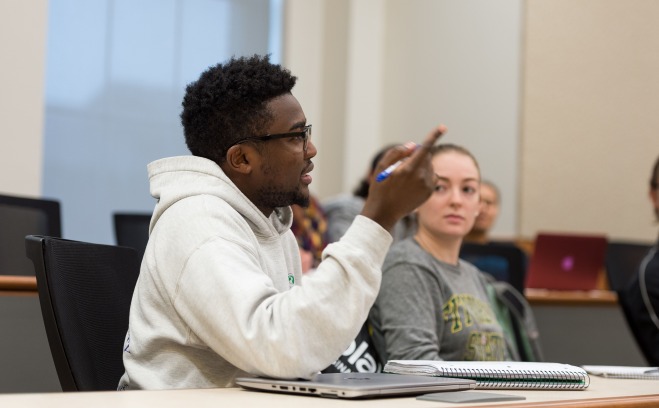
306,177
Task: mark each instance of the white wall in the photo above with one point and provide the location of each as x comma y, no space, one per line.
411,65
591,97
557,98
458,62
23,26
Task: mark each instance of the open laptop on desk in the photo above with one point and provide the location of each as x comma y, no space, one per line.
359,385
566,261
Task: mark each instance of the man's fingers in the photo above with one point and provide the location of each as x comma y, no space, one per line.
412,154
394,154
427,144
433,136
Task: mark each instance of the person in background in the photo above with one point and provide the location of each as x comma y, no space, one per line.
310,229
642,295
504,258
487,214
220,292
342,209
433,305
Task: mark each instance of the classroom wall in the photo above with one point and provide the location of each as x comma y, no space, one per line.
555,97
462,70
589,118
23,26
465,74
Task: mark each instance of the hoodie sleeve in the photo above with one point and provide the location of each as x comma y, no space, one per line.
232,306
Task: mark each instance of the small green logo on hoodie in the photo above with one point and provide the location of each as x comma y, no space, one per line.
291,280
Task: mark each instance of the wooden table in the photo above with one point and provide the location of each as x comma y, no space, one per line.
26,364
601,393
571,297
18,285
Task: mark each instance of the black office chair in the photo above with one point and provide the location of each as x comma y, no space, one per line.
505,262
132,230
21,216
622,261
623,264
85,292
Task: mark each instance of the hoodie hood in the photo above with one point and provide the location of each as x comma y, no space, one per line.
175,178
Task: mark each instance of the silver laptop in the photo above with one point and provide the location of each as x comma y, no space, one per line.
358,385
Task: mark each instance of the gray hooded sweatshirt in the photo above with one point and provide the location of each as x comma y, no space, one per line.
220,291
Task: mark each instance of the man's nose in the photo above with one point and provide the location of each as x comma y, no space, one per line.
311,150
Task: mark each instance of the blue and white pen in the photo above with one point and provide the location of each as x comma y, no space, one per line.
387,172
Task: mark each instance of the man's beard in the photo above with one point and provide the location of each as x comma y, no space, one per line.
272,197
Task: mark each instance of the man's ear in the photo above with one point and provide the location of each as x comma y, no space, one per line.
239,159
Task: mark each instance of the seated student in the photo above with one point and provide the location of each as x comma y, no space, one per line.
503,259
642,296
433,305
341,210
220,292
487,214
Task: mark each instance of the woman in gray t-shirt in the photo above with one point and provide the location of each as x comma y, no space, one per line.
433,305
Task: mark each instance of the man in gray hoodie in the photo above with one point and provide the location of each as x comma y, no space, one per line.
220,292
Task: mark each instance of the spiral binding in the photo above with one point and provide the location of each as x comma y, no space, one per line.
521,379
511,379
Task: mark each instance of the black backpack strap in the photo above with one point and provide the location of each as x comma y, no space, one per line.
643,286
525,330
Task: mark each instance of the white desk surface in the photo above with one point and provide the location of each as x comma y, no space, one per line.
601,393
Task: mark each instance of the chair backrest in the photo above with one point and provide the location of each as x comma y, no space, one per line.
21,216
640,306
505,262
622,262
132,230
85,292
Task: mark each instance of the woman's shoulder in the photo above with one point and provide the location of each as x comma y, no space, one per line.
406,248
409,256
468,269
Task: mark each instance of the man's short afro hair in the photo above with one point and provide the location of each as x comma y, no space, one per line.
228,102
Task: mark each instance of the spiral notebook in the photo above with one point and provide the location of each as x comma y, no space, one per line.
636,373
499,375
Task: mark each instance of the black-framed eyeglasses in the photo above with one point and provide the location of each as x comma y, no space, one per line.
304,135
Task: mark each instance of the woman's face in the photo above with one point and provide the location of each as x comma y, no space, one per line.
453,206
489,208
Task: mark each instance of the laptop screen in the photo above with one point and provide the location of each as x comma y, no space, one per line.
566,261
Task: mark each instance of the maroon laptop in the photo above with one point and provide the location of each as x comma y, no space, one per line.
566,261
